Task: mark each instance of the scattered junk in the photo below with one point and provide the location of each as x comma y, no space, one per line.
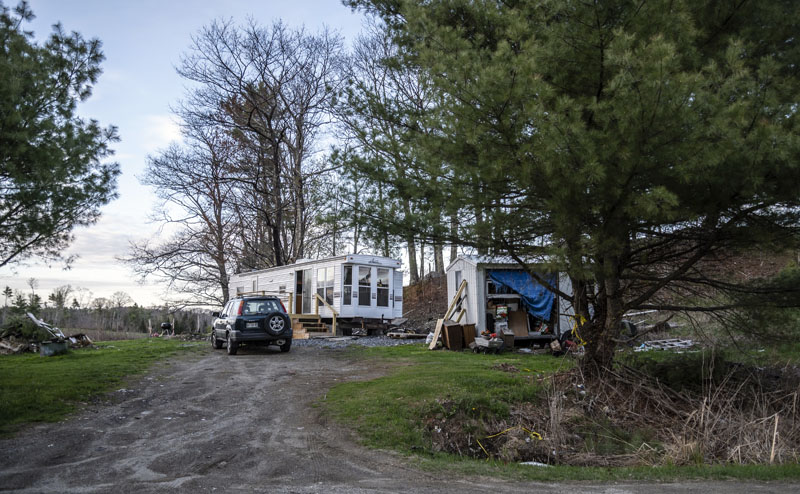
669,344
506,304
54,332
79,340
10,345
57,345
405,334
488,344
49,341
456,336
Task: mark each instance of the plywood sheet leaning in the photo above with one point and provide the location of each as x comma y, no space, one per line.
518,322
436,333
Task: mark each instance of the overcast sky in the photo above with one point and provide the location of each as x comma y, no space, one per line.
143,41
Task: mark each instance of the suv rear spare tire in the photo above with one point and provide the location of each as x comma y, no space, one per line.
276,324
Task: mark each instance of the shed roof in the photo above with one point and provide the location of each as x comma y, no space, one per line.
475,260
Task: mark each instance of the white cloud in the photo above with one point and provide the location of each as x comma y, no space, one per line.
158,131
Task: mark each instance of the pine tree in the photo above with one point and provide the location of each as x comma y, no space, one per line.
632,145
51,175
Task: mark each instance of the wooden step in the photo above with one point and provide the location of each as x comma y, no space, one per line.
310,327
317,335
304,317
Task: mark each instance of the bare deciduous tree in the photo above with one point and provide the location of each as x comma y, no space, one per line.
192,182
270,88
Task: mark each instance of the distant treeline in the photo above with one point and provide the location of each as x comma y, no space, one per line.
132,318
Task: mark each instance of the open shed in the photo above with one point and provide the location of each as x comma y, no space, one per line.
499,283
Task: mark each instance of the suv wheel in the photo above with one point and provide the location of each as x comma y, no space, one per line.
215,343
286,346
233,347
276,324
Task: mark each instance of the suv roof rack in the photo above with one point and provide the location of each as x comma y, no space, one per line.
260,292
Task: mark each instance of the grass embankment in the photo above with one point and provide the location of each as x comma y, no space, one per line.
423,389
387,411
45,389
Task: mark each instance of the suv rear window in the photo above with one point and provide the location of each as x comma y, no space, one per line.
253,307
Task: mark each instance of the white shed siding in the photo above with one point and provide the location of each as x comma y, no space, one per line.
470,303
478,301
452,286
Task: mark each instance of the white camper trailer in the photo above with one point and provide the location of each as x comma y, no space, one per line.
533,313
361,289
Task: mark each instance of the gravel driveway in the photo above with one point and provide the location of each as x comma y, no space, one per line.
214,423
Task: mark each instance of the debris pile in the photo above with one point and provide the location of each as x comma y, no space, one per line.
12,344
29,334
738,414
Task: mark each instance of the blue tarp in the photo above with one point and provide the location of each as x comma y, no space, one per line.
537,299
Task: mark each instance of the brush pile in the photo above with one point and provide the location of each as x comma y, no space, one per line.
21,334
633,416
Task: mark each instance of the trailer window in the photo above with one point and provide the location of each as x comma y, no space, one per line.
364,285
325,284
383,287
347,285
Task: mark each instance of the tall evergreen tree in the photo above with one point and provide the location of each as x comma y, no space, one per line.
51,175
632,145
381,115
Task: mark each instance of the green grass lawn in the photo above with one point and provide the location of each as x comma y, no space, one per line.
388,412
45,389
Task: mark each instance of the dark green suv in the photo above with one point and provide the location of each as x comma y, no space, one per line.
252,319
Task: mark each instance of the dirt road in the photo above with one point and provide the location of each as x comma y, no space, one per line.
213,423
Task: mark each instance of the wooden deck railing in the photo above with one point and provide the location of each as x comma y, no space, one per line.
317,300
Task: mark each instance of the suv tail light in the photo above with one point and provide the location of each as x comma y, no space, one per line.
283,306
241,307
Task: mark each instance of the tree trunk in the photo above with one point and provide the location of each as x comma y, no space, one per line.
453,234
604,327
412,260
482,250
299,233
438,258
278,221
422,260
